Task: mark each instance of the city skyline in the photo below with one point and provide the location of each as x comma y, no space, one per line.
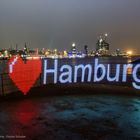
52,24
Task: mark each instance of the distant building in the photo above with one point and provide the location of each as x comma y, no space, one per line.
25,51
65,53
74,53
102,47
118,52
6,53
73,49
86,50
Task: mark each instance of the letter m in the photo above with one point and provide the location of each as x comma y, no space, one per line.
83,72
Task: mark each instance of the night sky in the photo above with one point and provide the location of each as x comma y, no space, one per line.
58,23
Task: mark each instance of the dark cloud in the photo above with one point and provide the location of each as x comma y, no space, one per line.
57,23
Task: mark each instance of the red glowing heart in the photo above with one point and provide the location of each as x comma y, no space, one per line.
24,74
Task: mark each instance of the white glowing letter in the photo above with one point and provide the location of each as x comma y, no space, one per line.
83,72
67,72
135,72
99,71
125,68
116,77
54,71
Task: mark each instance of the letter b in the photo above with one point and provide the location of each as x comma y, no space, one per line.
99,71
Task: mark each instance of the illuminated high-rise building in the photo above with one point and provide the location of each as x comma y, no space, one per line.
102,47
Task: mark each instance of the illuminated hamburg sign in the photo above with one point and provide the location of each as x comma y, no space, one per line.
90,73
24,75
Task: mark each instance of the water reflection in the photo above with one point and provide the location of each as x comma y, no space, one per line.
21,118
63,116
25,112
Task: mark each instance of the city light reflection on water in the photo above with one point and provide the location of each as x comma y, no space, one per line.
113,116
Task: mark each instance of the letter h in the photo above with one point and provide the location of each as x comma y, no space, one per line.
46,71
